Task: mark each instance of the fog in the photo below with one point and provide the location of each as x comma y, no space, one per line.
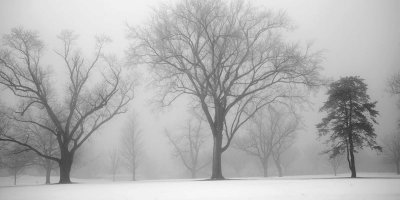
358,38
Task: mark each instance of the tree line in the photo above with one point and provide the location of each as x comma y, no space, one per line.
231,58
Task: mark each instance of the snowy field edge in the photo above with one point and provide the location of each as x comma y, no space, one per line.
369,186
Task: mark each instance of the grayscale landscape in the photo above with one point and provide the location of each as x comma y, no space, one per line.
199,99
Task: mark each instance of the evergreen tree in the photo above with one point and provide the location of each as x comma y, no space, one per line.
350,119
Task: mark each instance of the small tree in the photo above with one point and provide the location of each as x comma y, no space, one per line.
392,148
76,114
114,159
272,134
350,119
394,84
188,147
45,142
288,126
229,56
131,145
335,163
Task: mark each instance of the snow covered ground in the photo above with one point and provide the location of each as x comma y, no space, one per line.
370,186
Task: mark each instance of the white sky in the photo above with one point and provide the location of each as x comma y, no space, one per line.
360,37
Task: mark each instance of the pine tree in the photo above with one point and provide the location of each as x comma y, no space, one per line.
350,119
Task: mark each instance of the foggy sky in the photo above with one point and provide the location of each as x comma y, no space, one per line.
359,37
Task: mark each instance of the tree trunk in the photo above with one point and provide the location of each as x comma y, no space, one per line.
398,166
334,171
350,132
15,177
65,166
217,155
352,159
279,167
48,171
265,167
133,173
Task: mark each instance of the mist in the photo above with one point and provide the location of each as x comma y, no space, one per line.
356,38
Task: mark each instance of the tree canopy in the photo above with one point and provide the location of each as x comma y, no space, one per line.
350,119
231,57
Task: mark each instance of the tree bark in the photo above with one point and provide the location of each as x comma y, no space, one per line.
48,171
352,158
65,166
217,155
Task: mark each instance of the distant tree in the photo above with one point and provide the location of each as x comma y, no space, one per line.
350,119
286,135
47,143
287,158
16,159
230,56
335,163
271,134
394,84
392,148
131,145
76,114
43,140
4,126
189,147
114,159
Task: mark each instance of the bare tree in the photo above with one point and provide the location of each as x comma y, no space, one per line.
80,111
394,84
4,126
188,147
287,127
272,134
16,159
114,159
46,143
335,162
392,148
131,145
229,56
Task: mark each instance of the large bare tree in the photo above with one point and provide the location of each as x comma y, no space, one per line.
131,145
189,147
271,133
92,95
229,56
